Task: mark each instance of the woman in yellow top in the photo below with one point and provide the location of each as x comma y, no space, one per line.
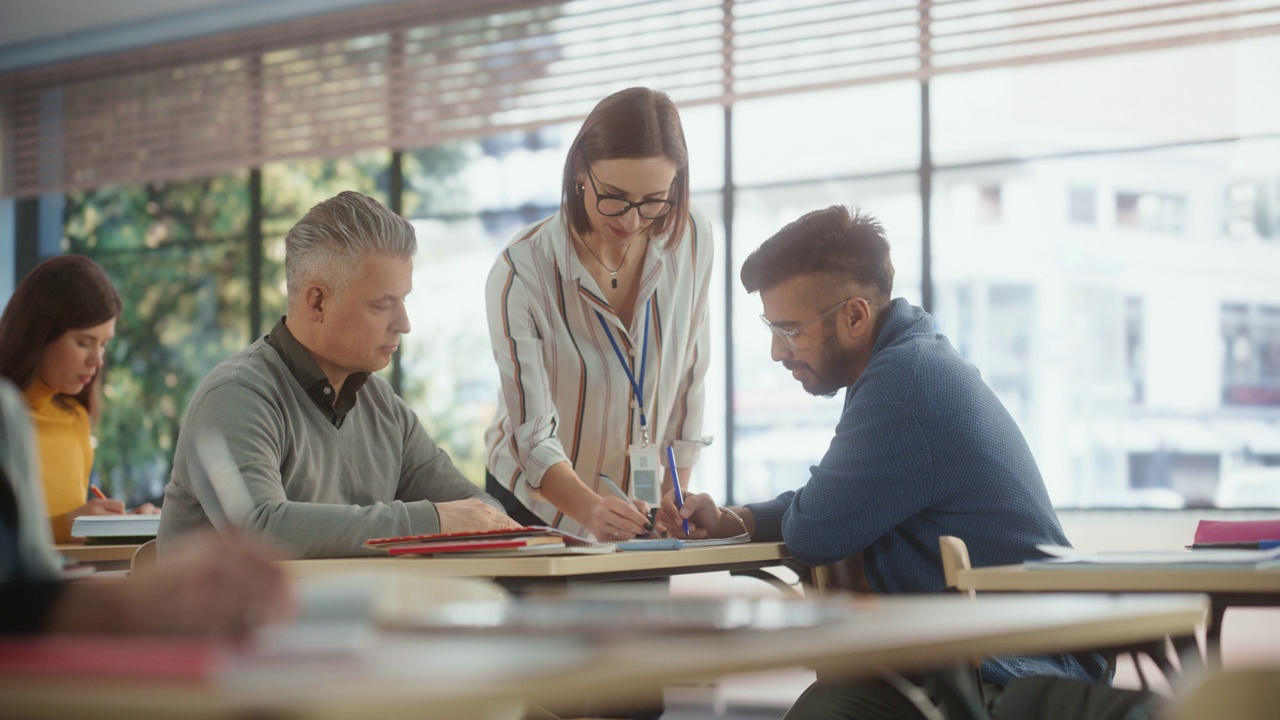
53,334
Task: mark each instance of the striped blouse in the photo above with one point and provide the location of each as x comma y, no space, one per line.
565,395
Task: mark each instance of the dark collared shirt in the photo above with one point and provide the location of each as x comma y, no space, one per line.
312,379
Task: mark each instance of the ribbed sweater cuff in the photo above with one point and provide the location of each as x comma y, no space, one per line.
768,517
424,519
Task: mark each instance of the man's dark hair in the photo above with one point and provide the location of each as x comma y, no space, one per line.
829,242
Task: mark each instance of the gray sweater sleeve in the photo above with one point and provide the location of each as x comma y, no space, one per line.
276,458
429,473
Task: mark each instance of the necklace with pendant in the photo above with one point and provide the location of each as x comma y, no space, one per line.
613,272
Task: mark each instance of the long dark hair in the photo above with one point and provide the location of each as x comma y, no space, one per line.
632,123
68,292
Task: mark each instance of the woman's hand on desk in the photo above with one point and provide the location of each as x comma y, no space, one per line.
97,506
145,509
613,519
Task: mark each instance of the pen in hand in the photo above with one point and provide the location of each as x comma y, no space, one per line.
675,483
97,492
613,488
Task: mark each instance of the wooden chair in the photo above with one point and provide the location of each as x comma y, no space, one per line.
1240,694
955,557
144,557
848,575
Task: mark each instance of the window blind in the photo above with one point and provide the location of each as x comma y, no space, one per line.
414,74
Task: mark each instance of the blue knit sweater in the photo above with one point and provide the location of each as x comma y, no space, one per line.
923,449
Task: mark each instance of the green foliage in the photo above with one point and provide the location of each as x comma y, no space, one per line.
177,254
289,190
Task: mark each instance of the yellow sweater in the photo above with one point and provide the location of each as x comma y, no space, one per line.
66,455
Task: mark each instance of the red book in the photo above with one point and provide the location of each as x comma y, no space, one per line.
535,533
1237,531
474,545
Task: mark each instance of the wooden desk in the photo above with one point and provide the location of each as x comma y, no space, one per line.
436,678
1225,588
519,573
103,557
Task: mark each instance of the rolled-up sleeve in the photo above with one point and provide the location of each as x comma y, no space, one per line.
526,388
684,425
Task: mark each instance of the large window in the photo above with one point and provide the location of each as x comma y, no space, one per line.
1118,292
1094,227
176,252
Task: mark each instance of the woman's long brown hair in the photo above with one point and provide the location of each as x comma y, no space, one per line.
68,292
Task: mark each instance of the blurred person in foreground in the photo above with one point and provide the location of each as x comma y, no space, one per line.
212,585
330,455
923,448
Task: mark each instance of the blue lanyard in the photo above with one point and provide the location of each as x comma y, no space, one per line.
638,387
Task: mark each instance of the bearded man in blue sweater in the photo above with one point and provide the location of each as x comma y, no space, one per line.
923,447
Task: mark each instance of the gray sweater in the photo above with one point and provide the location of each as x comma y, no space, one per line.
318,489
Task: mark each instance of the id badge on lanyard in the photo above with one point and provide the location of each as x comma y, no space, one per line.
646,473
646,467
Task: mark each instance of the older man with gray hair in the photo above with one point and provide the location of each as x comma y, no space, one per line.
330,455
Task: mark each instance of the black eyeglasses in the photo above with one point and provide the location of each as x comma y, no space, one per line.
615,205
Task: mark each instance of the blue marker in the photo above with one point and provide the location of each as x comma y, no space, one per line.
675,483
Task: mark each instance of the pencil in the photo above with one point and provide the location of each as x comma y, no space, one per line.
97,492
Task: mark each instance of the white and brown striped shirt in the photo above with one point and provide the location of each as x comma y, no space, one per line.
565,395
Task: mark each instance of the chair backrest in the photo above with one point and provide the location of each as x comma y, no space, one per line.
1240,694
143,557
955,557
847,575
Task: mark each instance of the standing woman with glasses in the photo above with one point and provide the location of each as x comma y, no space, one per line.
53,336
598,317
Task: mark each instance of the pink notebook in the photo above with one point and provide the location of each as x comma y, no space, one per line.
1237,531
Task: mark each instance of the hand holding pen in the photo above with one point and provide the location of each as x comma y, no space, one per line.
614,520
143,509
100,504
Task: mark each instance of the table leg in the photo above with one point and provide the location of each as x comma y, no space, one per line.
766,576
1213,633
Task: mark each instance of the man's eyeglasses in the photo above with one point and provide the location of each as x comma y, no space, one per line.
789,336
615,205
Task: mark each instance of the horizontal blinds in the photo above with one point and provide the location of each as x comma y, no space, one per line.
413,74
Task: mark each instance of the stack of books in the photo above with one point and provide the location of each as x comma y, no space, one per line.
510,542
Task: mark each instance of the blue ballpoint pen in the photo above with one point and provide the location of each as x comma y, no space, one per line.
675,483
